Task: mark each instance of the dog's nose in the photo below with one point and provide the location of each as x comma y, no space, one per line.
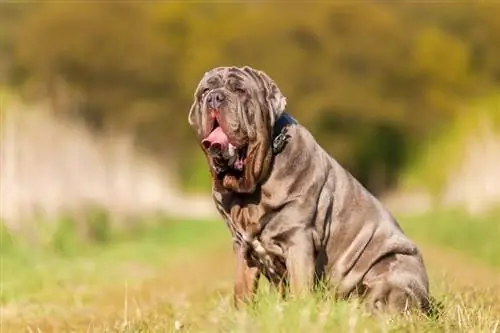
215,99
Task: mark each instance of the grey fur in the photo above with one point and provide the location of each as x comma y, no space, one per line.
298,217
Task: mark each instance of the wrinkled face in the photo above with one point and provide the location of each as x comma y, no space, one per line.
233,113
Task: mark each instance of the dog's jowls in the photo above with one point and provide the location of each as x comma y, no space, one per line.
296,216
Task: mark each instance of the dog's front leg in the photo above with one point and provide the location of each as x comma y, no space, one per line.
247,277
300,263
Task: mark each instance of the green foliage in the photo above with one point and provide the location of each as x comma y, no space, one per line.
352,72
98,222
195,174
74,232
447,148
7,241
76,235
5,99
65,239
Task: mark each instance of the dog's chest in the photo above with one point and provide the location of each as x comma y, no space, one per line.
244,218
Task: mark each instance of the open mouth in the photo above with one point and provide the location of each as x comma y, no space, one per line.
226,157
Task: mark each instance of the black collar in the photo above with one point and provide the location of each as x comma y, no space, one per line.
280,135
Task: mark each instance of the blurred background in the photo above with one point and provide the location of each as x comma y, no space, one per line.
95,98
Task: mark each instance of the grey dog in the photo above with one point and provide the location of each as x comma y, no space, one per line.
296,215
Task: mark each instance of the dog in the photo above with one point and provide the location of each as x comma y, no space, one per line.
296,216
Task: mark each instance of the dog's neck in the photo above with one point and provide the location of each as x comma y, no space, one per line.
280,135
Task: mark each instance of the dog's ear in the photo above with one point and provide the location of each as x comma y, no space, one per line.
194,116
276,101
274,97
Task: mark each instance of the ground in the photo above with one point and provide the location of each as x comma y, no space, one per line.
177,276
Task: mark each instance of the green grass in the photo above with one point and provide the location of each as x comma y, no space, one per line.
313,314
26,271
478,237
180,273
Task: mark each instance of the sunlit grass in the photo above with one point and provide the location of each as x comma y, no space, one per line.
178,276
27,272
478,237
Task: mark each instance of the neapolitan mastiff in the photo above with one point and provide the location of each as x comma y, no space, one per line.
297,216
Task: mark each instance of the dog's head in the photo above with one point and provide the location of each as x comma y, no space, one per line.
233,114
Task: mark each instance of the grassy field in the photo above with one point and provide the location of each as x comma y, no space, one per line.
177,276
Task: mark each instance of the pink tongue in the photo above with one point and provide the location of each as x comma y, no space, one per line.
216,138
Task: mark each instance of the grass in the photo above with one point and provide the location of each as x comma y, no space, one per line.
64,265
177,276
476,236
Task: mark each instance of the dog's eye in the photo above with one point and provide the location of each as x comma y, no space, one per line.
240,91
204,92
